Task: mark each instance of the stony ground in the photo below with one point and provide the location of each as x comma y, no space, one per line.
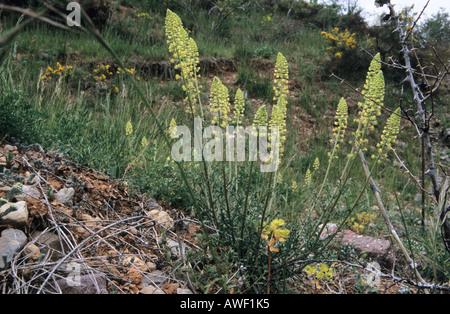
71,220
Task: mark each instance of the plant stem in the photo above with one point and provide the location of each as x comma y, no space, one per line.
392,231
227,204
245,208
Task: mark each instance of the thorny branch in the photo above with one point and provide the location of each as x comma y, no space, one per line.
422,115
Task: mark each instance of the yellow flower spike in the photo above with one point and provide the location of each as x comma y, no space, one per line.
341,121
278,119
279,178
373,91
390,131
316,164
294,186
219,103
261,117
173,128
239,106
308,178
144,142
184,54
128,128
281,77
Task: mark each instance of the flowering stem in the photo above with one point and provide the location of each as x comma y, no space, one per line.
391,229
245,207
226,201
268,270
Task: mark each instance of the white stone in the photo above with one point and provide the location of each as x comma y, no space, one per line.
151,290
18,218
28,190
64,195
11,242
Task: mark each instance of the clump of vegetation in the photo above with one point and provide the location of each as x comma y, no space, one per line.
262,226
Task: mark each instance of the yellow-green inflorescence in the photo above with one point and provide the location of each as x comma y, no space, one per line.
340,126
219,102
341,122
239,106
279,110
281,79
184,54
316,164
390,133
261,117
373,92
128,129
173,128
308,178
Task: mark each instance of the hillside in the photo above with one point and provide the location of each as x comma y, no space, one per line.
94,112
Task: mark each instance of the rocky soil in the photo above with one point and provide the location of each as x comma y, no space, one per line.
69,229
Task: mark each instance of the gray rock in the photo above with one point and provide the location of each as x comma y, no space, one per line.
65,195
28,190
151,290
49,244
152,204
11,242
155,277
184,291
330,229
18,217
174,247
10,148
85,284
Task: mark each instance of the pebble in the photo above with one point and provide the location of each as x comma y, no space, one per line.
28,191
11,242
151,290
17,218
65,195
174,247
85,284
49,242
184,291
161,217
155,277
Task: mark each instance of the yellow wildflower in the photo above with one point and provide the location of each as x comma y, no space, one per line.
390,131
219,103
273,233
316,164
128,128
294,185
173,128
340,125
281,77
144,142
279,178
184,53
239,107
374,98
260,117
308,178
